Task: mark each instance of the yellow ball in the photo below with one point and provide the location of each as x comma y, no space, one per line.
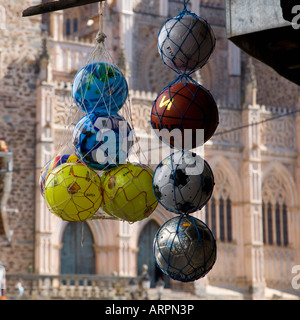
128,193
73,192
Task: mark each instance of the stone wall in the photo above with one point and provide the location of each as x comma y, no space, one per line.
19,49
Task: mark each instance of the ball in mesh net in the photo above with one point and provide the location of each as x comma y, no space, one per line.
184,248
127,192
186,110
186,42
52,164
100,87
73,192
102,142
183,182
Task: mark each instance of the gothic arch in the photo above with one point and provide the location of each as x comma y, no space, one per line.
204,76
105,243
277,182
160,216
278,196
101,231
225,173
221,211
156,74
144,243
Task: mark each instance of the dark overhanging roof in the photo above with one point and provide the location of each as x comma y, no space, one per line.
56,6
263,29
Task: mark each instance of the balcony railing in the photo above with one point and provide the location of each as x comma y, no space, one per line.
68,287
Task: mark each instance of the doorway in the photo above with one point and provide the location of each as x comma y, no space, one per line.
145,255
75,258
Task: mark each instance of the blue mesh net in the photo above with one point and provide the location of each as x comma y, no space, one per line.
185,42
184,114
183,182
184,248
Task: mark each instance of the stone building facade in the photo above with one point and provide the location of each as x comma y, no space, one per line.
254,211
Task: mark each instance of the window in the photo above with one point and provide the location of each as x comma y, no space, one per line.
275,210
75,25
285,225
68,27
270,225
219,208
229,223
275,224
219,218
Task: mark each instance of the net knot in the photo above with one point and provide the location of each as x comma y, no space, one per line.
101,36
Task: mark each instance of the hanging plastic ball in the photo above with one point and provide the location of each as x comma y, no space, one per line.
186,42
128,193
73,192
183,109
52,164
100,87
184,248
102,142
183,182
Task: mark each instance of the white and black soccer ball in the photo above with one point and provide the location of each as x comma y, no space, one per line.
186,42
184,248
183,182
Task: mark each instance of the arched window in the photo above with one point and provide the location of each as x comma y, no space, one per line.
218,218
218,209
75,25
274,211
68,27
275,226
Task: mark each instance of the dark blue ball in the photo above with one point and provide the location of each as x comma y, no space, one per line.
102,142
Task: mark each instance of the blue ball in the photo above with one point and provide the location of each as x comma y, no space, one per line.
102,142
100,87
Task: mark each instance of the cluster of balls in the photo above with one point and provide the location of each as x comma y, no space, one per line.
98,174
184,116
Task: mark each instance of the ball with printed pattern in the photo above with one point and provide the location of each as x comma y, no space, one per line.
73,192
183,182
184,115
100,87
184,248
102,142
52,164
186,42
127,192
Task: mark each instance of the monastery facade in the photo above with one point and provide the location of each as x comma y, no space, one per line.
254,211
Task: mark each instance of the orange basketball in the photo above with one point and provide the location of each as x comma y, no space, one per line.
185,106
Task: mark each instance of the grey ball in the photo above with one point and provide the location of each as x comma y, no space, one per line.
184,248
183,182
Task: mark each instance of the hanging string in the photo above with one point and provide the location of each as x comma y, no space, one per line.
101,36
185,4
